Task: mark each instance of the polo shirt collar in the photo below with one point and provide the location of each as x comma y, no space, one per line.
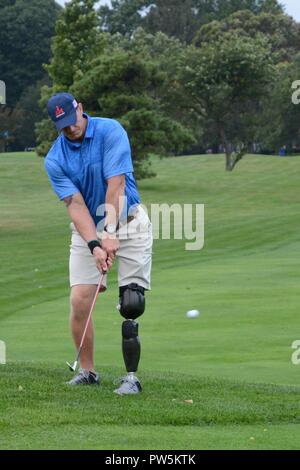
89,132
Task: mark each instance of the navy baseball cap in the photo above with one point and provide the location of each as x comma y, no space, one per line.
62,110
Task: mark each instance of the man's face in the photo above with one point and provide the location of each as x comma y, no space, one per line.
77,131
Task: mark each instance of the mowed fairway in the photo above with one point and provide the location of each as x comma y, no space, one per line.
233,361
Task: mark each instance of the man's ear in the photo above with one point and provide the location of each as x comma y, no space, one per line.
80,108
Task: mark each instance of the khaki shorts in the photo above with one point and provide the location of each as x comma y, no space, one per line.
134,255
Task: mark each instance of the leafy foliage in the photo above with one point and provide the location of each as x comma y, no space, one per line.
280,121
26,28
177,18
114,81
178,72
124,16
225,82
168,53
76,42
282,31
10,119
122,85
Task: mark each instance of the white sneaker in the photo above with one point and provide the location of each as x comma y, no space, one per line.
85,377
129,386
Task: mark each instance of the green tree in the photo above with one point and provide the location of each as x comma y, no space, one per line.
177,18
169,53
10,122
225,82
281,30
113,82
77,41
211,10
26,29
123,85
123,16
30,113
280,122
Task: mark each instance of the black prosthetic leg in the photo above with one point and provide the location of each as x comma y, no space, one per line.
132,305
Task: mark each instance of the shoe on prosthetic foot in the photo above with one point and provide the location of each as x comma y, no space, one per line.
85,377
131,347
130,385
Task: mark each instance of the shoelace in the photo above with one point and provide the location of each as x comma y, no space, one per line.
124,379
119,380
83,372
86,373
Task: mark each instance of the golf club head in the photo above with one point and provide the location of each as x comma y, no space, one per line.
73,367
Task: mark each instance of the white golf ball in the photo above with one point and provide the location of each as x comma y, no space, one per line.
193,313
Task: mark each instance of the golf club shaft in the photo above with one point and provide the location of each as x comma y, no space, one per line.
89,317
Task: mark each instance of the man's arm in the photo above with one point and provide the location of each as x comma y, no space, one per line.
81,217
85,225
114,199
113,204
116,164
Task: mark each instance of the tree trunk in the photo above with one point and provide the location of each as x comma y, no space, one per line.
226,145
228,161
238,157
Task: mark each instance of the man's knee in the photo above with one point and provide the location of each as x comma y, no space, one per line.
81,298
132,301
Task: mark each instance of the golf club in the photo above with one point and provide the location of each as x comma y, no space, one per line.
74,366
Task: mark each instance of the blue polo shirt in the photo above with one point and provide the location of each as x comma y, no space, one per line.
86,166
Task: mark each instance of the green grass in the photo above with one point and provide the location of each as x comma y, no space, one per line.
234,361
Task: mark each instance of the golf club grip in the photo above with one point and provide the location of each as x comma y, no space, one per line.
104,272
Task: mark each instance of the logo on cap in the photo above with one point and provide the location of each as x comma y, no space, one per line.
59,112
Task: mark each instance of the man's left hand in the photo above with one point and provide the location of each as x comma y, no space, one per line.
110,244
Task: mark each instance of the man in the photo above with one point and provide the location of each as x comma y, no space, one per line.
90,169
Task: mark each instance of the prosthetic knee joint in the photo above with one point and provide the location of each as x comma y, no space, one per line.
132,305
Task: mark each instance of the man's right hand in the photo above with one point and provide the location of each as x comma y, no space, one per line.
103,262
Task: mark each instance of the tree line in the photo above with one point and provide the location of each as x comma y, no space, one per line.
26,31
180,75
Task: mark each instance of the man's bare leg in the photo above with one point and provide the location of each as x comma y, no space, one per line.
81,300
